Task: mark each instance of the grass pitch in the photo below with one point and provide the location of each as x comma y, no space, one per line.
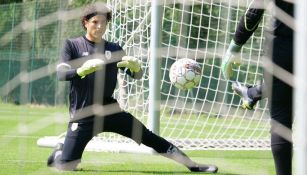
21,126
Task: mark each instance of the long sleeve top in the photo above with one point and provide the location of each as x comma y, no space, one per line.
250,20
98,85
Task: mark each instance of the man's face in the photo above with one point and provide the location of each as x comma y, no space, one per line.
96,27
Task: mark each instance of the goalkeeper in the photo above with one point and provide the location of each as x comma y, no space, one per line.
281,97
90,64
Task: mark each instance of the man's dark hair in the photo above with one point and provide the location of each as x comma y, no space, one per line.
96,9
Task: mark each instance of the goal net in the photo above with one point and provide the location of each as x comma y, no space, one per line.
206,117
209,116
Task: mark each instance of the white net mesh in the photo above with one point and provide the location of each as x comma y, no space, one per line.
208,116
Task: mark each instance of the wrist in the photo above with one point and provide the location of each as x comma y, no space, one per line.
138,75
234,47
79,71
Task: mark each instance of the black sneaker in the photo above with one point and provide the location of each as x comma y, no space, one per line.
248,103
204,168
50,161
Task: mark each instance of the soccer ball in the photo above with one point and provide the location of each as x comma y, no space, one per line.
185,74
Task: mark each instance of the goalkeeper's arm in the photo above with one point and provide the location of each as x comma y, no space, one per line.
64,69
132,66
65,72
69,69
247,25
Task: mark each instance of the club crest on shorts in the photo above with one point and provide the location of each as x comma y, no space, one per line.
108,54
85,54
74,126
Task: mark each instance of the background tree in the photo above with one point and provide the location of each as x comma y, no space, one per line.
10,1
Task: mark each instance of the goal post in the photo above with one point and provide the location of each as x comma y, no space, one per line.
300,90
154,68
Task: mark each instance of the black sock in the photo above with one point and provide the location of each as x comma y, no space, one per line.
282,154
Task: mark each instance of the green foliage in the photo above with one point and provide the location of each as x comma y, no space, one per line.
8,17
10,1
80,3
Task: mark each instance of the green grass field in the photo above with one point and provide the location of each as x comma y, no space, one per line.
21,126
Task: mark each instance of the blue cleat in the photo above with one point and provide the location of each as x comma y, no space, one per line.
204,168
56,151
248,103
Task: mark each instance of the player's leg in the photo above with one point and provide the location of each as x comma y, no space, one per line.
69,155
176,154
250,94
281,146
282,154
55,155
281,108
281,113
127,125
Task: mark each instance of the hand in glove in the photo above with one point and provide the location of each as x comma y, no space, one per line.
131,63
231,58
89,67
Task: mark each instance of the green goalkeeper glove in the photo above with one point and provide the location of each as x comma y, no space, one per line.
231,59
131,63
89,67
